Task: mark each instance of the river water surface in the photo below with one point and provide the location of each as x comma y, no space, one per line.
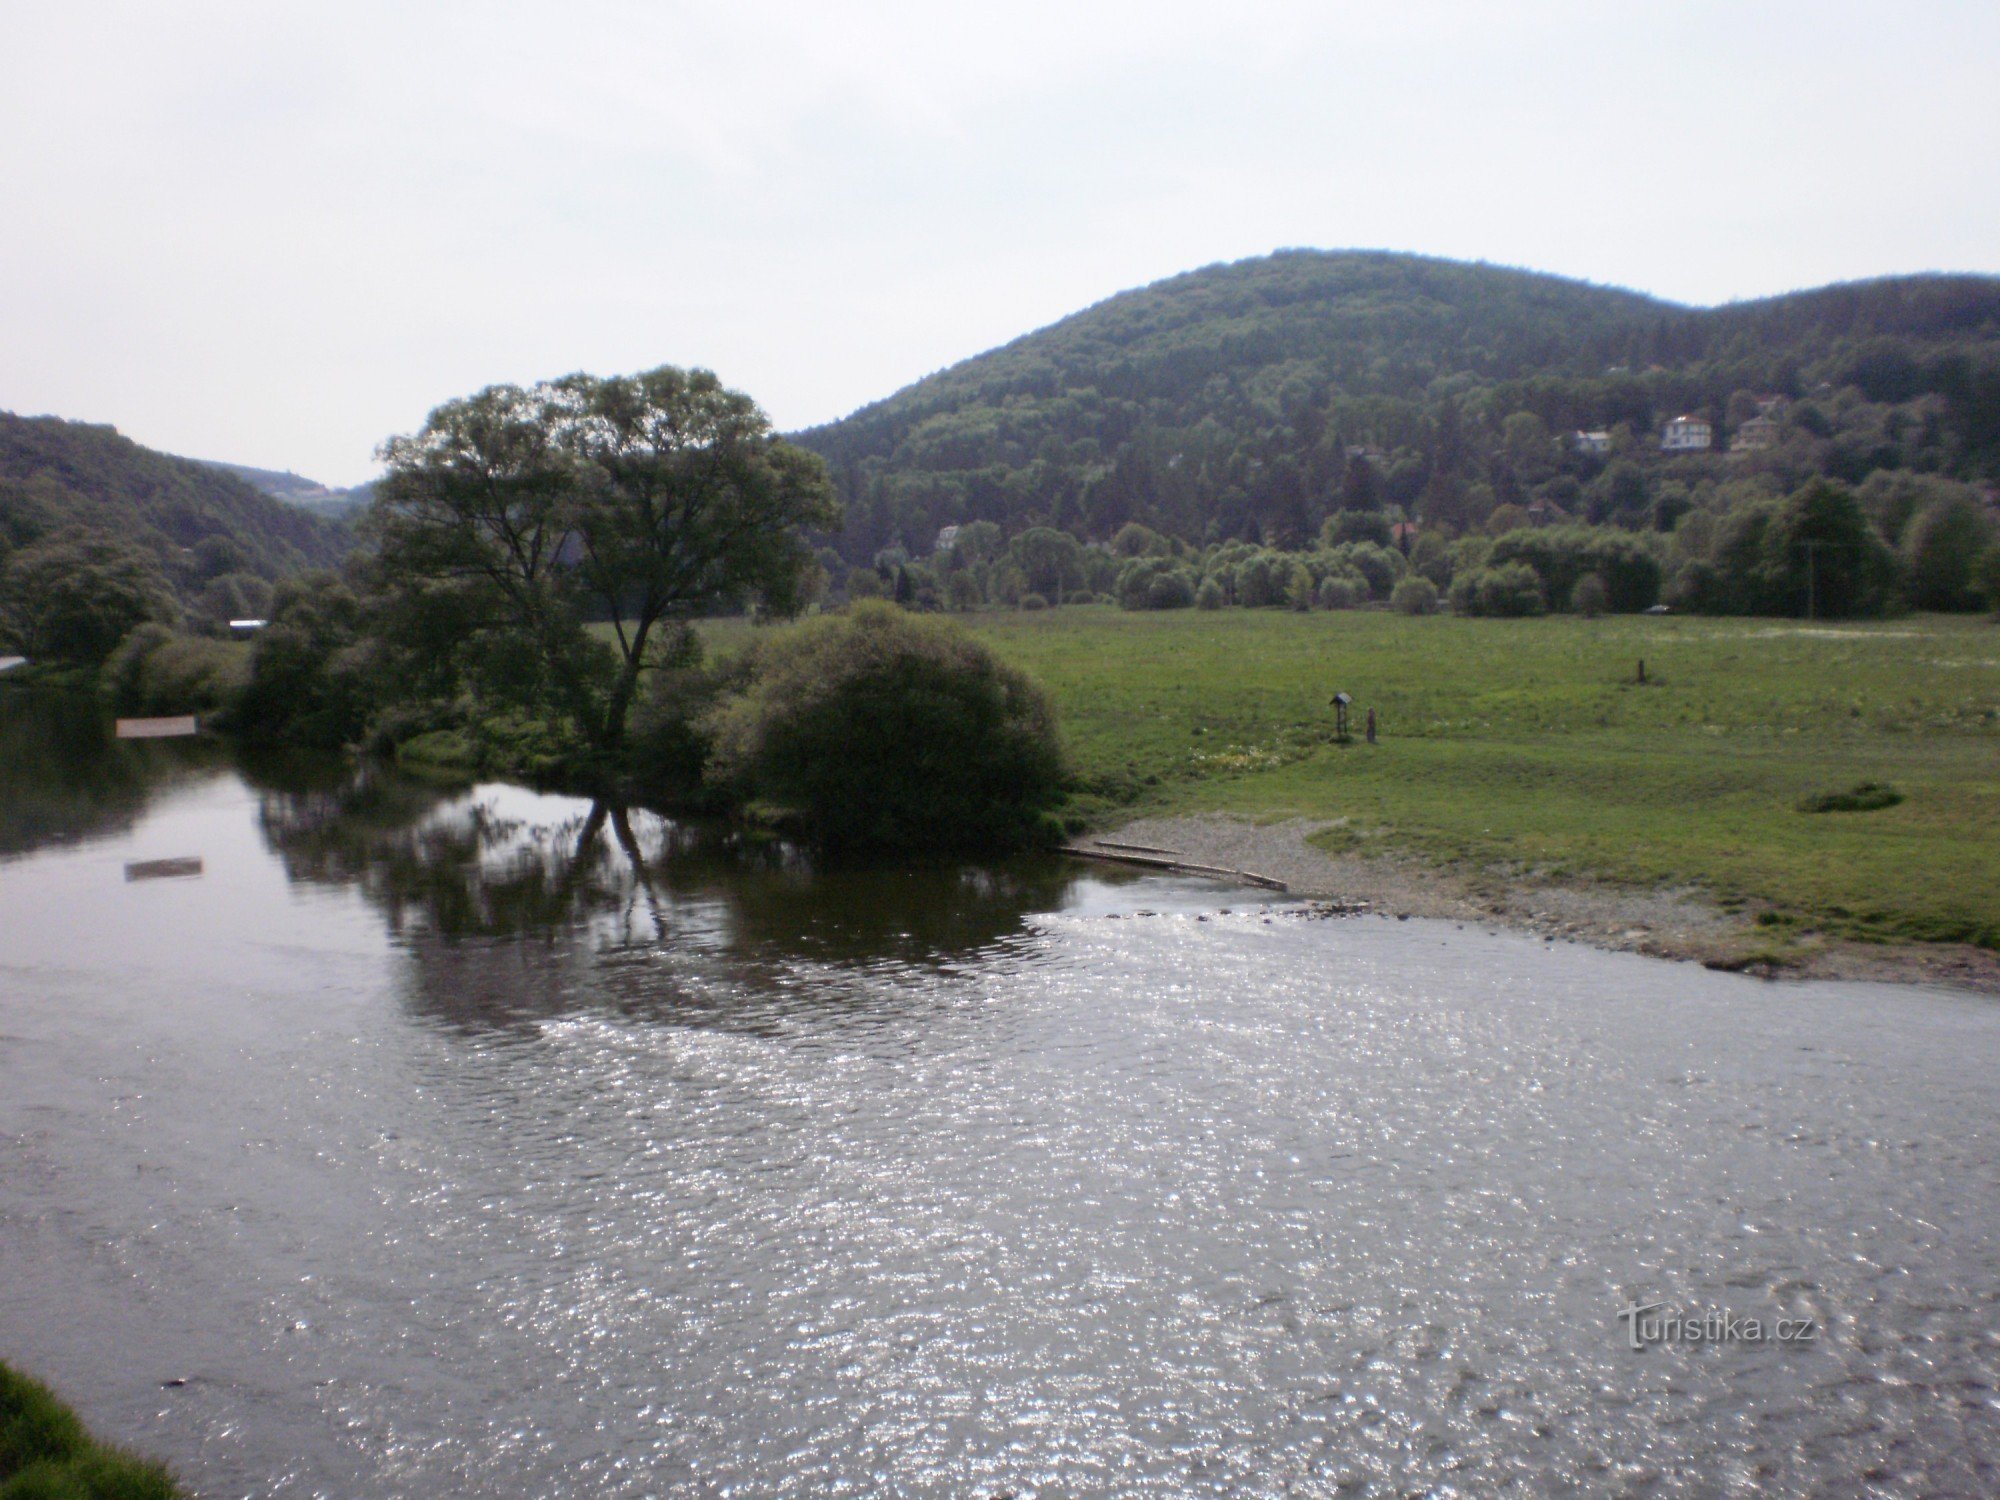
478,1144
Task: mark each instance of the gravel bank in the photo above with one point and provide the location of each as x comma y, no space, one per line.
1679,924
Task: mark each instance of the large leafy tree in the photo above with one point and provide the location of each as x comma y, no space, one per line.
516,516
71,597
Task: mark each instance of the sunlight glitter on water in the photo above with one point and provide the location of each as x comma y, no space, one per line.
441,1169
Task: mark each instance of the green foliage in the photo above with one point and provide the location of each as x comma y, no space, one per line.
515,514
1379,566
1822,558
1863,796
1356,526
1049,559
1339,591
155,671
1210,595
1134,540
315,677
1415,596
1561,556
1258,400
193,520
1154,583
1986,576
1590,597
887,731
1508,590
45,1454
71,596
1941,553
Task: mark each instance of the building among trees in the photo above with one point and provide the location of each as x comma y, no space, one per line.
1687,434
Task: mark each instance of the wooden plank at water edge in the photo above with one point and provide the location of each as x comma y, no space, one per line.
163,869
157,729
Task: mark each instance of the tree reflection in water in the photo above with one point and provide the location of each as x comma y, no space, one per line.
65,779
520,906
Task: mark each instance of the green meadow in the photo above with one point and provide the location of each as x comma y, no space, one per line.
1511,747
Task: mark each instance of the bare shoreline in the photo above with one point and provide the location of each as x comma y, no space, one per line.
1668,923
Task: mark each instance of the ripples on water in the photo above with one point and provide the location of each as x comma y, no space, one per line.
453,1146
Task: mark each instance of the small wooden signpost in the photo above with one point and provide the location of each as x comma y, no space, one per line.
1340,702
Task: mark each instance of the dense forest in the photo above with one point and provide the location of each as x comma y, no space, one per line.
1253,403
215,542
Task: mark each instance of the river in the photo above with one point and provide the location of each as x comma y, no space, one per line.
481,1143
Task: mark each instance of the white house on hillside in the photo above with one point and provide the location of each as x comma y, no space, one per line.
1687,435
1591,442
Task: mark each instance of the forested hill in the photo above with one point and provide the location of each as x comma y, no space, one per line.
1238,400
199,522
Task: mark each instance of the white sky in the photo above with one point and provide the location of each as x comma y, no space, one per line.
276,233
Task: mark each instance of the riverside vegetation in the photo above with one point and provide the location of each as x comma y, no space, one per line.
1253,453
45,1453
1529,748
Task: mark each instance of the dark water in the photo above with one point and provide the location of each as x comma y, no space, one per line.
451,1144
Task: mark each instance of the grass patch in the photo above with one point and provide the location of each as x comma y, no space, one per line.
1516,745
1863,796
45,1454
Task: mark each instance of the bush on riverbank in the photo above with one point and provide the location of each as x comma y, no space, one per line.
882,730
155,671
45,1453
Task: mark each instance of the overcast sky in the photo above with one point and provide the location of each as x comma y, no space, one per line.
275,233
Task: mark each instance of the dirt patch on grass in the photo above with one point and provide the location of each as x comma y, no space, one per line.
1667,923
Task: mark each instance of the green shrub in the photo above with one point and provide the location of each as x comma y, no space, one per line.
1337,591
1986,576
1032,602
1562,555
1590,597
72,597
1415,595
881,730
1210,595
1262,579
1863,796
1382,567
1155,583
667,744
312,677
1508,590
155,671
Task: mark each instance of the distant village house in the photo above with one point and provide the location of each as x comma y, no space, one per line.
1687,435
1591,442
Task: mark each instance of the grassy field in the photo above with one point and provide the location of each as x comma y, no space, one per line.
1528,745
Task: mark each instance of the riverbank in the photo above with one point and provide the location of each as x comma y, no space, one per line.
1526,755
45,1452
1671,922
